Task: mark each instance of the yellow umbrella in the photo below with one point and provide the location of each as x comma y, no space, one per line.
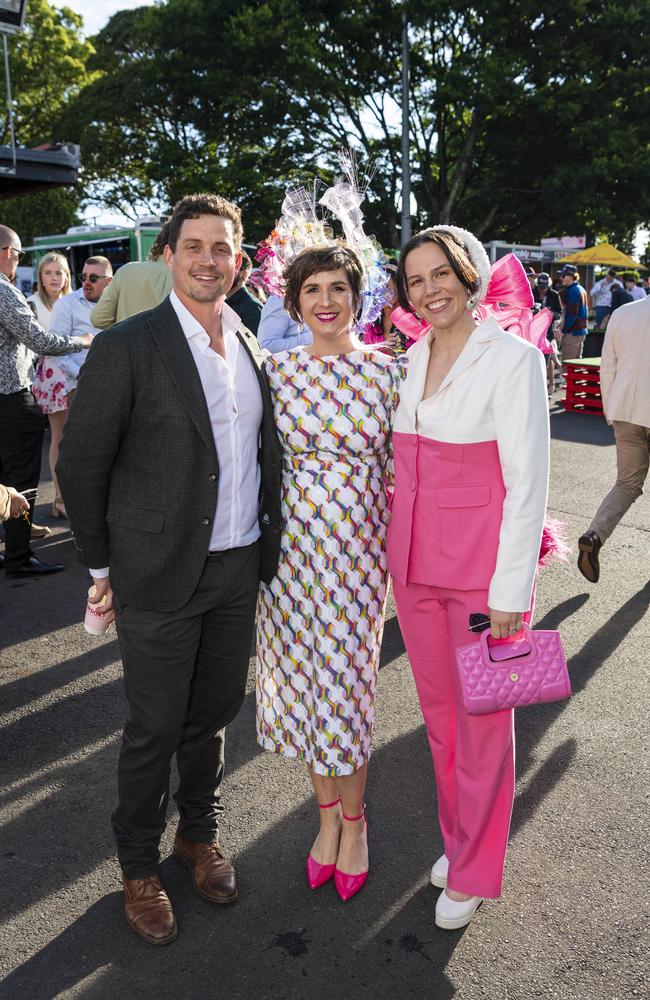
602,253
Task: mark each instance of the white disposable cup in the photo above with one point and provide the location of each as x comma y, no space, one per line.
94,621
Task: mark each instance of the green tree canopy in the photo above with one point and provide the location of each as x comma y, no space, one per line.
526,120
48,68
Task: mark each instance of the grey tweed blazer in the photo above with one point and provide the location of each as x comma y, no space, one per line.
138,468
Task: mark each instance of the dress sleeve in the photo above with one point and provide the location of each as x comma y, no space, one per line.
397,372
522,430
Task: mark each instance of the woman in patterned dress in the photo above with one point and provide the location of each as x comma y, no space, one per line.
320,622
51,384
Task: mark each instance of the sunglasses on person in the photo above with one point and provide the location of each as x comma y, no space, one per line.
19,253
92,278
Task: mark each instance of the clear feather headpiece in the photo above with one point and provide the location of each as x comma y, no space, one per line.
300,227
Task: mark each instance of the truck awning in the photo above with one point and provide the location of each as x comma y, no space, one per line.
37,169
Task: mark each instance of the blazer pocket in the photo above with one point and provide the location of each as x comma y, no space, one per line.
462,496
136,518
462,512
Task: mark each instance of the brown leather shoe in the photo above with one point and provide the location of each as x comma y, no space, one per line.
149,910
213,876
588,563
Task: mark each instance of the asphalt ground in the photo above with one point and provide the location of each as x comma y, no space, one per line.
570,924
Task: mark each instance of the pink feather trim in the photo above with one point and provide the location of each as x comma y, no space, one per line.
553,544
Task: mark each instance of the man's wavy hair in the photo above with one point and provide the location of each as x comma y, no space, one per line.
194,205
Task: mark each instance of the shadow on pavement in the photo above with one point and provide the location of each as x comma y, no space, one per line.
297,944
554,618
392,646
46,680
531,723
581,428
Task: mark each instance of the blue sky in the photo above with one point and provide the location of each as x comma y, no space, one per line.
96,14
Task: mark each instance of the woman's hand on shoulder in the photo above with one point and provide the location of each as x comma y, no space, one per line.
503,624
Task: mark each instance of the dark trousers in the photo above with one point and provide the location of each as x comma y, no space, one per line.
185,679
21,440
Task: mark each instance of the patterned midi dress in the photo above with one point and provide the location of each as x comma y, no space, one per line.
320,621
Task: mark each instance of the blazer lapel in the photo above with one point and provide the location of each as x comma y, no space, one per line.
256,354
177,356
475,347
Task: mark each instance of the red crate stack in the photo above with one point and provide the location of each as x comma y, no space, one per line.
583,387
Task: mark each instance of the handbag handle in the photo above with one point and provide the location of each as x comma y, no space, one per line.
485,649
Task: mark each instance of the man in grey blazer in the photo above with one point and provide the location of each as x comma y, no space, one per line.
170,469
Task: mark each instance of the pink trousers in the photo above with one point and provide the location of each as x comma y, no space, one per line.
473,755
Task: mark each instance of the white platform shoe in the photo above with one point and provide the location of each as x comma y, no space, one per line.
439,872
451,915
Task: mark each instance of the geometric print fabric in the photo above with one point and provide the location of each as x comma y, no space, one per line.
320,621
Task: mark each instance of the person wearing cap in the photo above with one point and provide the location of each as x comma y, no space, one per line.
531,274
470,445
548,298
576,312
601,296
625,388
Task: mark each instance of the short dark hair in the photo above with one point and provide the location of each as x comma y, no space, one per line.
194,205
312,261
454,250
160,242
99,261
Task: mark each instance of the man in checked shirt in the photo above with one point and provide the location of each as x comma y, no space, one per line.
21,421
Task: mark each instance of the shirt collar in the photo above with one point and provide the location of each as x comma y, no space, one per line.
230,321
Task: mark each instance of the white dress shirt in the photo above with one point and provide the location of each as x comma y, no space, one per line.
71,318
235,406
234,401
494,391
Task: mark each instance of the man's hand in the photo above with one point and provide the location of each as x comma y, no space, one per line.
504,624
19,503
103,589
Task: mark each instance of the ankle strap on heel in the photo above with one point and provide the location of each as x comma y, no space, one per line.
353,819
328,805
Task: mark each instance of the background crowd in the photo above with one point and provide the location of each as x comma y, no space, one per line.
103,298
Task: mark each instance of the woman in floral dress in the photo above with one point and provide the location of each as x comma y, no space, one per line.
51,384
320,622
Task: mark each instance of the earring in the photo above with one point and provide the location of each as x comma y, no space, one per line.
470,304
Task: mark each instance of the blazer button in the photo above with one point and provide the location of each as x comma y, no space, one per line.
206,520
212,477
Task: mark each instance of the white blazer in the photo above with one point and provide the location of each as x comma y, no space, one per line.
495,391
625,364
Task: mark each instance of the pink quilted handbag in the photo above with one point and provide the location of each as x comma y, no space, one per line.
524,672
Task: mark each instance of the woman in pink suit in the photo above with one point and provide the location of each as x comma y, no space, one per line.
471,444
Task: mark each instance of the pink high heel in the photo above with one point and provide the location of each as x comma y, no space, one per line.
317,874
348,886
